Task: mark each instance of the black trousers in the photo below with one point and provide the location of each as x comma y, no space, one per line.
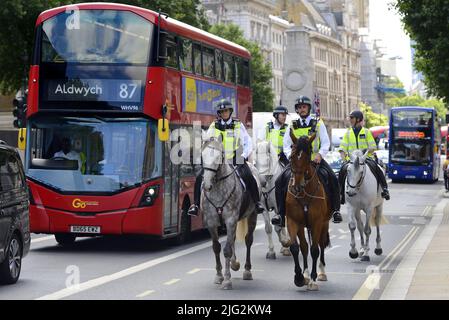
327,178
246,175
446,179
375,169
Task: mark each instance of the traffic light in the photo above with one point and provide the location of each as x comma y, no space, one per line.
20,110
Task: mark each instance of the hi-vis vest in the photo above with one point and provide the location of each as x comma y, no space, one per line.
364,140
299,131
276,136
230,134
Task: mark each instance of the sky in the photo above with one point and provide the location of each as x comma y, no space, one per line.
386,25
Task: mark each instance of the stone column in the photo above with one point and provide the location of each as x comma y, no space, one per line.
298,71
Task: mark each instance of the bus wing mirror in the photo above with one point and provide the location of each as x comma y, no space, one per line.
21,139
163,129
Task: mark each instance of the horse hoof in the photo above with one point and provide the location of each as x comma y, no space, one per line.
235,266
286,252
227,285
218,280
365,259
322,277
271,255
312,287
299,280
378,251
353,255
247,275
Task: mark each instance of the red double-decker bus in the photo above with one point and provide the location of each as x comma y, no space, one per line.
102,76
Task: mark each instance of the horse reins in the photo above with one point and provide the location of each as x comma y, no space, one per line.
359,183
220,209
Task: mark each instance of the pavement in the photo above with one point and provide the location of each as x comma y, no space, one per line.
424,273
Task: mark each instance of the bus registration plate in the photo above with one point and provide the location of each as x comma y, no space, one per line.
410,177
85,229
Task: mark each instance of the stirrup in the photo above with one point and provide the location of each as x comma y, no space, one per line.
193,210
336,217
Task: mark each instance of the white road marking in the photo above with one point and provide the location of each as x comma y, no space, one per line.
194,271
172,281
144,294
344,231
333,247
41,239
372,281
61,294
341,237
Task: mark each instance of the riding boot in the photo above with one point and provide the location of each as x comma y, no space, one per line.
341,179
251,185
380,177
195,207
280,189
332,188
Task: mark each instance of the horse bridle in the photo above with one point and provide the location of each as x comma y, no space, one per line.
303,187
359,183
220,209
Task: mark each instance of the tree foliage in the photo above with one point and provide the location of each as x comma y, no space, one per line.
427,24
416,100
19,17
371,118
260,69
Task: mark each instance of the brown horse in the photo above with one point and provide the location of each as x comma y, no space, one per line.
307,206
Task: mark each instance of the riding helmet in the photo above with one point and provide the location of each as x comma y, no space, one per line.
279,110
356,114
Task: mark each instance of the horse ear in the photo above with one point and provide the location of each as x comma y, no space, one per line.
294,139
365,155
312,137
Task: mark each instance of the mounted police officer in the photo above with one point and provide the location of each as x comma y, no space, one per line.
358,137
237,145
306,125
275,132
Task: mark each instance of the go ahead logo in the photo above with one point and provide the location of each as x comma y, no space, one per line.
79,204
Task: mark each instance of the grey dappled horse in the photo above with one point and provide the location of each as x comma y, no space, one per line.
270,168
363,193
223,200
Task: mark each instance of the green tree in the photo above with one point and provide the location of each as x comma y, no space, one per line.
372,119
427,24
416,100
18,21
260,69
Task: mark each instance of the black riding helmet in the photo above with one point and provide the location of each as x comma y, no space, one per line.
303,100
278,110
223,104
356,114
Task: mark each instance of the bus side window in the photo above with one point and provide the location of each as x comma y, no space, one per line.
219,65
208,62
185,55
246,74
229,68
172,59
197,58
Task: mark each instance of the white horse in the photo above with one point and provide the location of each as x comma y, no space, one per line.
224,201
270,168
364,194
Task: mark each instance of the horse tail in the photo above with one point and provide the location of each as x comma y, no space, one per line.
242,230
372,220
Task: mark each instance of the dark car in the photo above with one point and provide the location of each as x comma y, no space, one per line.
14,215
333,158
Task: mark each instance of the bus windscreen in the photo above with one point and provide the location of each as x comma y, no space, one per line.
96,36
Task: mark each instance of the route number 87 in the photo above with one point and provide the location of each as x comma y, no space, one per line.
127,91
